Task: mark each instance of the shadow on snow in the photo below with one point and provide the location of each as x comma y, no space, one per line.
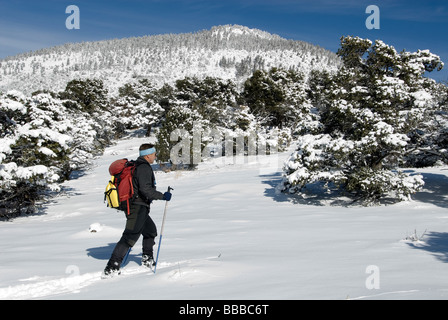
435,243
104,253
434,192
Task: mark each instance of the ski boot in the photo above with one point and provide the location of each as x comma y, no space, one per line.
110,271
148,261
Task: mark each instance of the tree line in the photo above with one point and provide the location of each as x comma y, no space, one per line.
354,129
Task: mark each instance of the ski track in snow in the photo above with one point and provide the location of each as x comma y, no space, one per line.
75,282
384,294
51,287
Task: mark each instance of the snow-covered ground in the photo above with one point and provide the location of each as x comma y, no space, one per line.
230,235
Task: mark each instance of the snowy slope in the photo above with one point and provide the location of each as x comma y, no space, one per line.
229,235
226,52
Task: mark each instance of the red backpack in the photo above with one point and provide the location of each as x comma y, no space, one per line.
119,190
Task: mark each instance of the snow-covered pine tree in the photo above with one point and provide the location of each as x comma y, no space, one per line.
90,94
34,152
135,107
265,98
196,106
179,125
427,120
367,112
42,141
182,113
278,98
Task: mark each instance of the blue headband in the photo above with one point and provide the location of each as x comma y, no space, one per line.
147,152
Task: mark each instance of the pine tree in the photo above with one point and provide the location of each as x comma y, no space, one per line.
90,94
367,112
42,143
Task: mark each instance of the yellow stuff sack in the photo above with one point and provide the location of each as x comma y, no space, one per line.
111,194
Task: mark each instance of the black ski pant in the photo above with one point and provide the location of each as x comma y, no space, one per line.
138,222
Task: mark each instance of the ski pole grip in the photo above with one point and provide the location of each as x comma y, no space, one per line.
169,189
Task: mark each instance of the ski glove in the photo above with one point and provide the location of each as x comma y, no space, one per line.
167,196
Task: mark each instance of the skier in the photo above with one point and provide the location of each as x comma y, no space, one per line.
138,222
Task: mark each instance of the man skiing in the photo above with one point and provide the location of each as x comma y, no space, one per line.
138,222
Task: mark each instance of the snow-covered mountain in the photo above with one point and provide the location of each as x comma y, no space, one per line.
227,52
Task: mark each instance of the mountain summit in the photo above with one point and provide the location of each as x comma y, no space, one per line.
225,32
227,52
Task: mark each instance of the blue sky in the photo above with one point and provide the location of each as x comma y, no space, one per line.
405,24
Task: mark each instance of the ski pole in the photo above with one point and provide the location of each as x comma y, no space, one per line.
161,232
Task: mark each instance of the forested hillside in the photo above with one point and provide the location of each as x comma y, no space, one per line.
226,52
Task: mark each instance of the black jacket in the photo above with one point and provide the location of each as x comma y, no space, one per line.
144,184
